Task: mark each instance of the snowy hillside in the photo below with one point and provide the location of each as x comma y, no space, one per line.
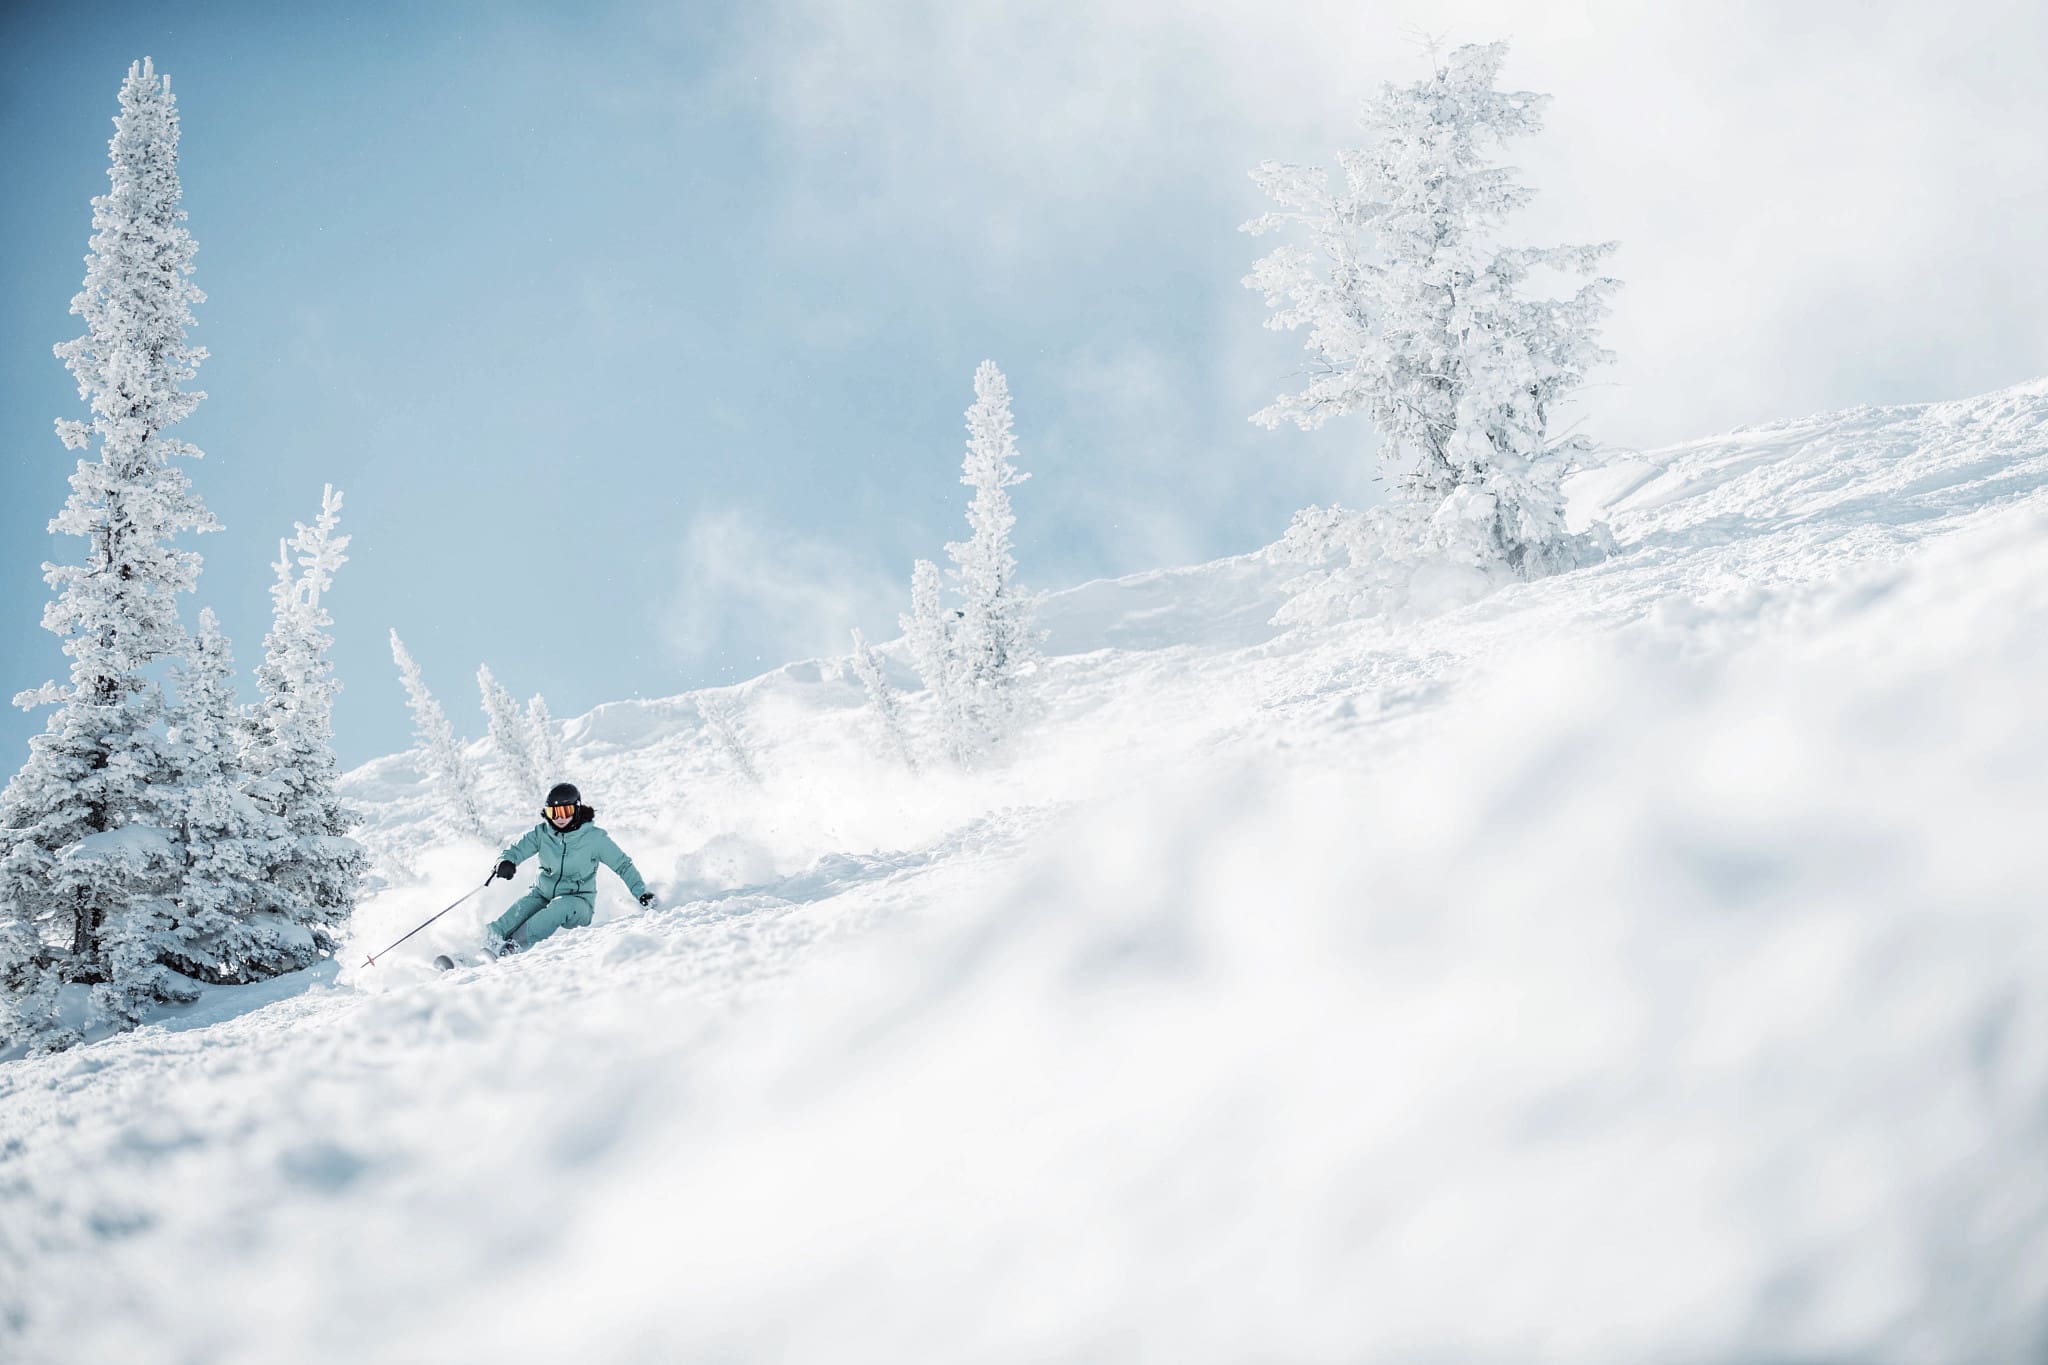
1642,964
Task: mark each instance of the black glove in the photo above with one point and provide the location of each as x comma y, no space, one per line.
647,898
506,869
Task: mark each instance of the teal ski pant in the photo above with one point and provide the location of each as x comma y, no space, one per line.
533,916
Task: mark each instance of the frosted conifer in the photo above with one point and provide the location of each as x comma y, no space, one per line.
262,743
882,698
1418,319
86,865
928,631
448,769
993,646
511,739
316,869
547,741
223,931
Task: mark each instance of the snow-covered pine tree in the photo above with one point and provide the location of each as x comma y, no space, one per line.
447,767
86,864
224,927
262,746
512,739
315,870
1417,317
928,631
994,647
868,668
547,741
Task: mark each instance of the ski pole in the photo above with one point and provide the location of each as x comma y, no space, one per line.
371,960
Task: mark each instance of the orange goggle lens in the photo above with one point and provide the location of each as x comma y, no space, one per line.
558,812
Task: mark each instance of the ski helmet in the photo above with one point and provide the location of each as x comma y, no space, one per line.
564,794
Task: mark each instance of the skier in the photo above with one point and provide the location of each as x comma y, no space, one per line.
565,892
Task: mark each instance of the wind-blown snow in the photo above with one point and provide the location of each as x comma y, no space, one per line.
1645,963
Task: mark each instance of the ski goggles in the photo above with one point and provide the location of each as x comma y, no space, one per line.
559,812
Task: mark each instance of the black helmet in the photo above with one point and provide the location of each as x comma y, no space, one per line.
563,794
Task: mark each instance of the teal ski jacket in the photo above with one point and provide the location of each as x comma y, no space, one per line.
569,858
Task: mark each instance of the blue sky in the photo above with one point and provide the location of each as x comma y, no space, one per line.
638,336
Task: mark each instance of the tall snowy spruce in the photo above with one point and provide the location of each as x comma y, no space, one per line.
1418,318
974,658
448,769
88,865
315,870
994,647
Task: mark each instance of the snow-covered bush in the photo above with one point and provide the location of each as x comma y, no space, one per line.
448,769
87,869
1419,318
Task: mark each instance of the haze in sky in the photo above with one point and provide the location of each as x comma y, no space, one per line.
639,337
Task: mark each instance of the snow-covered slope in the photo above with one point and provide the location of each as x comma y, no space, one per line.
1647,963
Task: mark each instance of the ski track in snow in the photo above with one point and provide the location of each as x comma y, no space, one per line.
1636,964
